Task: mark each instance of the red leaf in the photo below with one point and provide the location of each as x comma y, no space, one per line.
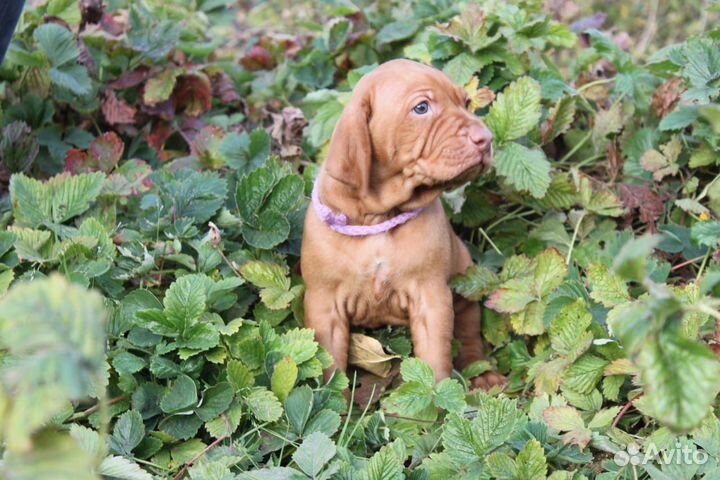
131,79
106,150
648,203
194,94
115,24
117,111
77,161
157,138
258,58
667,96
224,88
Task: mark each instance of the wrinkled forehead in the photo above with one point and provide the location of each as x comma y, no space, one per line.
395,83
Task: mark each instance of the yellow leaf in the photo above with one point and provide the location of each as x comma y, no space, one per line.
368,354
479,97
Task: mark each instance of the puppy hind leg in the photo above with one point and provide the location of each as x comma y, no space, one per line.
467,330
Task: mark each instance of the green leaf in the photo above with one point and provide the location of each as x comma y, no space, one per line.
215,400
128,433
630,263
264,406
604,418
325,421
680,378
239,375
269,230
679,119
246,152
283,378
497,420
706,233
72,195
516,111
396,31
54,455
120,468
567,419
606,287
67,10
531,463
180,396
502,467
55,333
568,332
471,27
559,119
266,275
314,453
321,126
272,473
450,395
410,398
527,170
6,279
415,370
254,189
475,283
550,271
72,77
462,67
126,362
185,301
31,201
58,43
384,465
298,406
585,373
286,194
160,87
88,441
336,33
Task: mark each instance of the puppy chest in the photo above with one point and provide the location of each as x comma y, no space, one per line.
376,292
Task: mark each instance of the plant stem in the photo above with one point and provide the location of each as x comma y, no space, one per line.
577,147
352,433
574,237
96,407
703,265
622,412
485,235
595,83
686,263
205,450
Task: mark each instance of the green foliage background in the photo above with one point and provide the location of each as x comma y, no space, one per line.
155,165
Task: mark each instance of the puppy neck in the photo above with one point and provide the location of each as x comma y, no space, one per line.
391,198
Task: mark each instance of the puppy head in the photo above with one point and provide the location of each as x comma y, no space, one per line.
407,125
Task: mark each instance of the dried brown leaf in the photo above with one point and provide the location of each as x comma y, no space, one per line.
367,353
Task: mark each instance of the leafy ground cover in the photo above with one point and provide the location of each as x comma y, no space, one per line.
156,159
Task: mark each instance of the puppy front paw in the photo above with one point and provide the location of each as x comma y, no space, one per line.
488,380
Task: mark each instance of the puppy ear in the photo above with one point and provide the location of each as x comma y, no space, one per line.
350,153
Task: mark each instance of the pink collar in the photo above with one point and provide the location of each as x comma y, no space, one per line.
338,221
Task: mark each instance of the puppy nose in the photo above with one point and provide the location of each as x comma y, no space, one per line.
481,137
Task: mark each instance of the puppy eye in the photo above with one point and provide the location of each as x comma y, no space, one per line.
422,108
467,103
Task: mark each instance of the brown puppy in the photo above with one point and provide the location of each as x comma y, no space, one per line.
405,136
